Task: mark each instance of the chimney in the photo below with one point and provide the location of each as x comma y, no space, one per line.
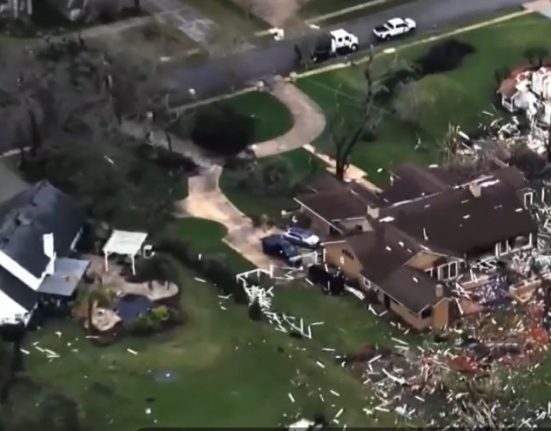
48,244
373,212
439,291
475,189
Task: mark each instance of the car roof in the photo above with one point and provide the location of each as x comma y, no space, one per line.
339,33
395,21
300,230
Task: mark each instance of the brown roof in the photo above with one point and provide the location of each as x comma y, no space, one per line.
333,206
461,222
412,180
325,183
384,256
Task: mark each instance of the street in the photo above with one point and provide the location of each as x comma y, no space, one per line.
218,76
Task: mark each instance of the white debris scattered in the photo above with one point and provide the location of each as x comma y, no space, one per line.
291,397
200,280
334,393
131,351
319,364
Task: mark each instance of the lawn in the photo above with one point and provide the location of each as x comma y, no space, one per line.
457,96
205,236
271,117
298,163
230,17
316,8
227,371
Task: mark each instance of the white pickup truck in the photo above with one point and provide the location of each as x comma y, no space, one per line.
394,27
335,42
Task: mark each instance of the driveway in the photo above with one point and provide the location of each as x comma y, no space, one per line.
279,58
206,200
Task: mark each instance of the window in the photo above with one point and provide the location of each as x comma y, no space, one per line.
444,272
453,270
528,199
426,313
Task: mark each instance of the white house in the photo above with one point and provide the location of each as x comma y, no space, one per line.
39,228
528,91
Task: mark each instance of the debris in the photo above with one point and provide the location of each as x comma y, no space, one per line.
131,351
291,397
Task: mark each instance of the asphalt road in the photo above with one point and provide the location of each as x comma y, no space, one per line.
216,77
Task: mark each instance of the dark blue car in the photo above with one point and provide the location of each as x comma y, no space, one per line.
277,246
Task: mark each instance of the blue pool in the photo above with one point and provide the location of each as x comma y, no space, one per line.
130,307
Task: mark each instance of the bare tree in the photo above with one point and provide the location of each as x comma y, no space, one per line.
411,102
347,132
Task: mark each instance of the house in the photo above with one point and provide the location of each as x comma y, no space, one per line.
39,229
427,226
527,90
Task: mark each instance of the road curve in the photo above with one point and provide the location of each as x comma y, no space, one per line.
218,76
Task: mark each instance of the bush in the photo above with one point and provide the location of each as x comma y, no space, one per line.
211,268
160,313
443,57
144,325
222,130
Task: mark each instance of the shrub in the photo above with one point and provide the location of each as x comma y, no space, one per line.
222,130
160,313
144,325
443,57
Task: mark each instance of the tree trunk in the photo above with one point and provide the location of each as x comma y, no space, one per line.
340,168
169,141
138,5
36,138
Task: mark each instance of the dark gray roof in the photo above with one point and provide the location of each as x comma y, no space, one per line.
26,217
460,222
17,290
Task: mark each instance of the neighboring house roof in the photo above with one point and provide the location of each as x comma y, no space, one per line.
461,222
412,181
326,183
17,290
333,205
25,218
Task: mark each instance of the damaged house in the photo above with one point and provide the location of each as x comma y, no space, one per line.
410,242
39,229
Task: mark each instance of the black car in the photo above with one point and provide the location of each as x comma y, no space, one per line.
275,245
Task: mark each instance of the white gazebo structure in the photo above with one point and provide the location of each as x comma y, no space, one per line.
124,243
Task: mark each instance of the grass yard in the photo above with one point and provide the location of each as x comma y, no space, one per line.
205,236
348,324
271,117
319,8
151,43
457,96
229,16
299,163
227,371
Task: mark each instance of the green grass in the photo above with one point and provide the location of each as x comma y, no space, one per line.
322,7
230,371
230,17
458,96
271,117
300,164
205,236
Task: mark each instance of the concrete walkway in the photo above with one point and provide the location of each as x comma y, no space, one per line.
206,200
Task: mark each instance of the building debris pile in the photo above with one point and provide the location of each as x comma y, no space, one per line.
470,375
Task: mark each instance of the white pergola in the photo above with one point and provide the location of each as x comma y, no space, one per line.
124,243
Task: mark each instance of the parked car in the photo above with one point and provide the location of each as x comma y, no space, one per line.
394,27
301,237
277,246
336,42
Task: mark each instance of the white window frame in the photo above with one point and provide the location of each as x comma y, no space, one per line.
528,199
455,266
